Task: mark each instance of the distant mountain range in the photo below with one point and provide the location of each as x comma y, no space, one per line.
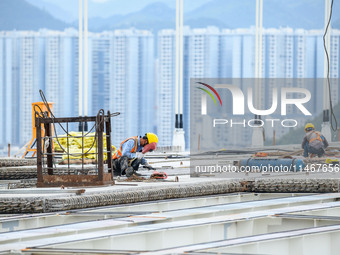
20,15
67,10
57,9
308,14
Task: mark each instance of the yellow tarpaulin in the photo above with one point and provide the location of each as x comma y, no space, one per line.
74,148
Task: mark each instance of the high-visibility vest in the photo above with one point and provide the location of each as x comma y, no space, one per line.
318,137
118,153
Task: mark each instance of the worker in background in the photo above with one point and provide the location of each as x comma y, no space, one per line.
313,142
130,155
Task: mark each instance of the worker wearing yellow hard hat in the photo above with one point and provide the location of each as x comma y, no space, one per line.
130,155
313,142
309,127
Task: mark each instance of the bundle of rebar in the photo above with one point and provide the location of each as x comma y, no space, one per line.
143,194
11,162
114,197
28,172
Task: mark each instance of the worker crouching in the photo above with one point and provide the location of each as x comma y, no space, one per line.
130,155
313,142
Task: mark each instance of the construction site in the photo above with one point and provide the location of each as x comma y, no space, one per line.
63,196
69,190
251,213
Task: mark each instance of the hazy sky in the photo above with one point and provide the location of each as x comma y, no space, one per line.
308,14
68,9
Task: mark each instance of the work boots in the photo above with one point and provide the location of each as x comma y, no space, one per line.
122,166
130,171
119,165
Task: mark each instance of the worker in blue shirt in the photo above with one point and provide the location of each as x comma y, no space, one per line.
130,155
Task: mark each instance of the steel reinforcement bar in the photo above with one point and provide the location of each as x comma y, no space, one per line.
114,197
21,173
183,190
11,162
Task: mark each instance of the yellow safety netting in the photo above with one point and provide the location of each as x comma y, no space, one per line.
75,142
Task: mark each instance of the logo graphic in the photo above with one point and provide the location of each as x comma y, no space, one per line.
239,99
209,93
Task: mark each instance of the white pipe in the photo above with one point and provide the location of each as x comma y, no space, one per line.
256,38
181,58
260,54
260,38
256,51
86,58
80,59
177,56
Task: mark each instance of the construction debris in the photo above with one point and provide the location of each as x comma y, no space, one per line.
134,178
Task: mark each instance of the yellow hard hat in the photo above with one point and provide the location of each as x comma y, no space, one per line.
152,138
309,126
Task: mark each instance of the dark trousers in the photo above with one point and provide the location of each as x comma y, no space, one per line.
309,149
121,164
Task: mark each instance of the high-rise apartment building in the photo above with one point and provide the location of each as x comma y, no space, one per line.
8,84
120,78
132,83
200,60
121,73
101,66
31,79
214,53
36,60
166,86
